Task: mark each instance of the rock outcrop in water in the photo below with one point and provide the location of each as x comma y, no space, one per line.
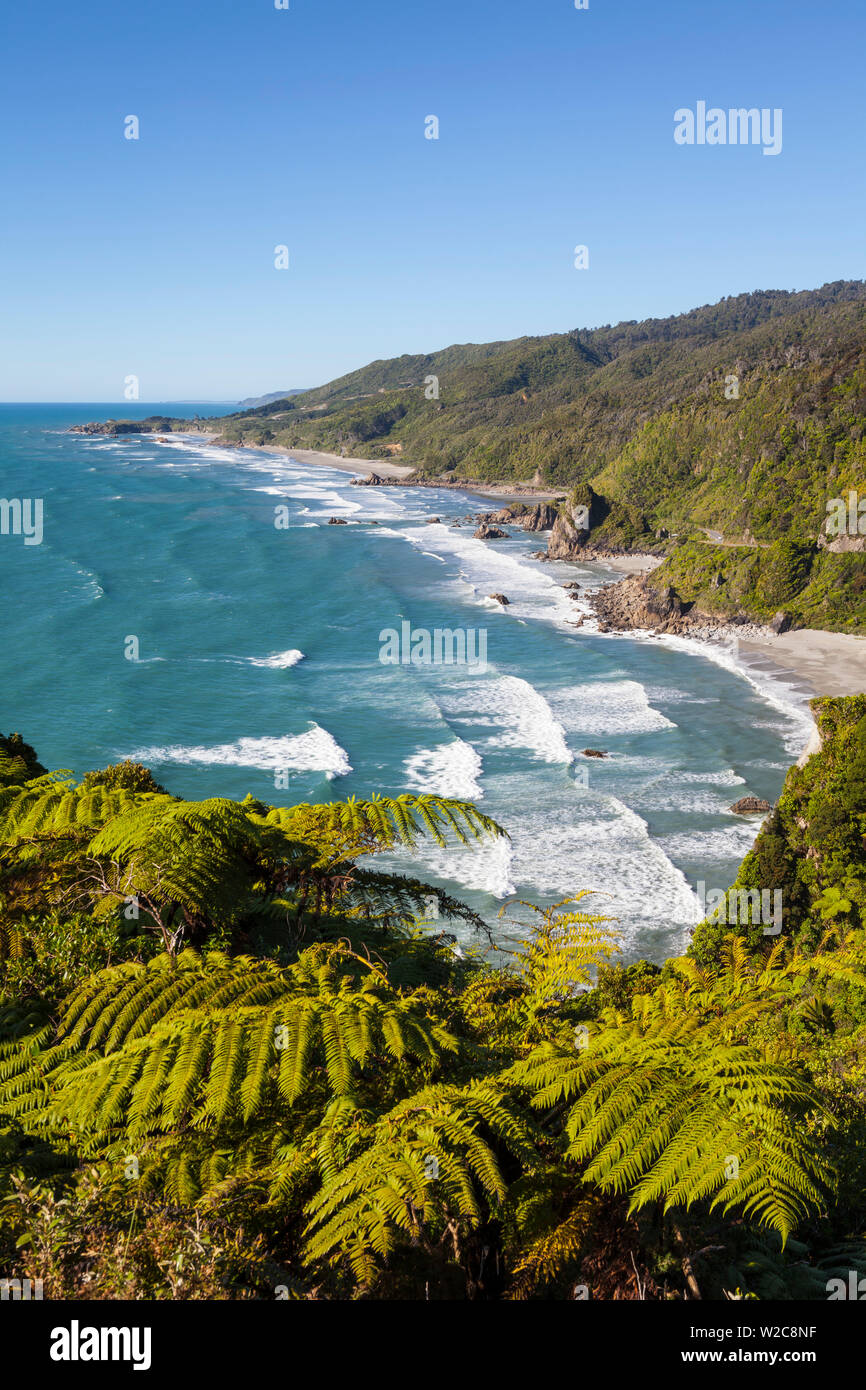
751,806
567,539
540,518
636,604
490,533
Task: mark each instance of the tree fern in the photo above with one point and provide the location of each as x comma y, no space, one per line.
430,1173
677,1104
151,1048
354,827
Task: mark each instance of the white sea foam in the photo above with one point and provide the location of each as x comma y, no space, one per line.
93,588
452,769
278,661
725,843
521,715
727,778
608,707
486,568
673,695
314,751
772,687
599,843
483,868
563,844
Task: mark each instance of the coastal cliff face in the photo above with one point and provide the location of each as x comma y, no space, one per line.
567,540
635,603
542,517
843,545
641,603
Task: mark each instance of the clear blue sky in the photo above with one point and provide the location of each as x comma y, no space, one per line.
306,127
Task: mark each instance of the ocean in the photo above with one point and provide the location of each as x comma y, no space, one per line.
190,607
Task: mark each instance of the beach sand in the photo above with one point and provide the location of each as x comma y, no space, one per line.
361,468
631,564
832,663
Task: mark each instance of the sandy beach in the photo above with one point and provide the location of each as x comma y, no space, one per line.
631,564
832,663
361,468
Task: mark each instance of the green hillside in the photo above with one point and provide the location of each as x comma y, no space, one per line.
742,419
639,409
814,587
813,845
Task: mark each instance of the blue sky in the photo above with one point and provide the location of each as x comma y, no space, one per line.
305,127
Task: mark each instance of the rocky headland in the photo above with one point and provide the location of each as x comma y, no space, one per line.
635,604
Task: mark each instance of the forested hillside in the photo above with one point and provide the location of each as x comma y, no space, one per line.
719,437
742,416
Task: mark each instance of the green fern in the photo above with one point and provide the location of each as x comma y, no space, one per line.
677,1104
431,1173
208,1043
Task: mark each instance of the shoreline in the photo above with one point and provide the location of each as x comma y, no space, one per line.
820,663
825,663
394,472
831,663
624,564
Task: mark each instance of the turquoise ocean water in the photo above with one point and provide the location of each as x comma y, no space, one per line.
258,668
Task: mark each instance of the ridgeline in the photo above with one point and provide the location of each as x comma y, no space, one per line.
717,437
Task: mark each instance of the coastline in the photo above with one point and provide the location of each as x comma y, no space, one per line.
394,472
627,564
820,663
825,663
832,663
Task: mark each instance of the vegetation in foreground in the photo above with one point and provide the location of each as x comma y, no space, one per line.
237,1061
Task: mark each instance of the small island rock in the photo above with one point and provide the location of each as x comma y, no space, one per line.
751,806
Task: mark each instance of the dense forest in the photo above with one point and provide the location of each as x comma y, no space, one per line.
239,1061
